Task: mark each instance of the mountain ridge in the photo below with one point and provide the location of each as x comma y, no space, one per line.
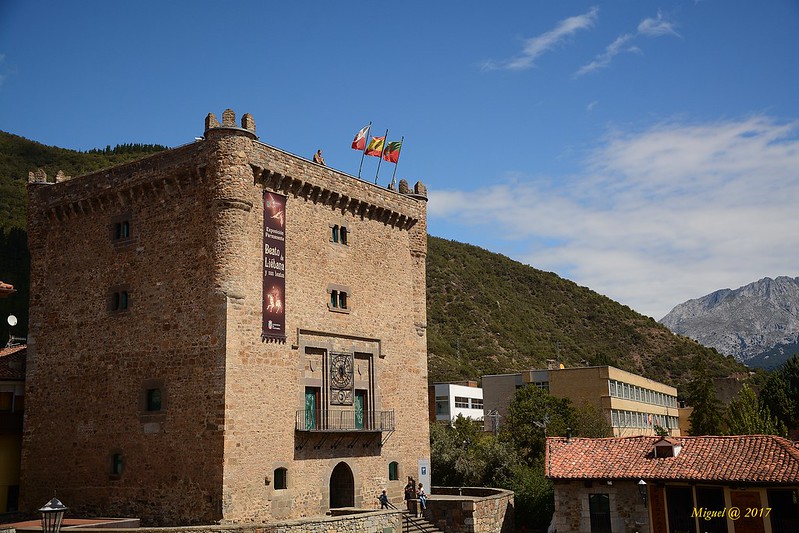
757,323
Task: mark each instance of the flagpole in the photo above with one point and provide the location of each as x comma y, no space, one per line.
394,175
385,141
365,143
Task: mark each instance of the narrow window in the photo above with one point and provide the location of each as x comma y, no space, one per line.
153,400
343,235
393,471
334,236
342,300
281,478
116,464
334,299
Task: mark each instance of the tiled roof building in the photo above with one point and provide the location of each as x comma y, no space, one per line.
665,485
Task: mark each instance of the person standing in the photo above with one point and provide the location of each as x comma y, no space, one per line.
410,493
383,500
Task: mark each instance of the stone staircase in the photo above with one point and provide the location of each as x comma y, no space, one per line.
413,524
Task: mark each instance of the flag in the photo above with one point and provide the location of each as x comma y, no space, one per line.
359,143
375,147
392,151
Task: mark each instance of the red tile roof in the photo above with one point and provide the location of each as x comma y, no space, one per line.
742,458
12,363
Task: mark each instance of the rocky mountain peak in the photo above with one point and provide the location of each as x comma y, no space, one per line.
758,323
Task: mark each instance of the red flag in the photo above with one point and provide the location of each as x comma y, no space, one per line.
375,147
359,143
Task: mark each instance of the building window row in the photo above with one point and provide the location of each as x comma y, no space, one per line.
619,389
463,402
636,419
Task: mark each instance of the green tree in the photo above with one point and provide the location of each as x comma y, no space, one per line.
532,416
706,418
589,421
464,455
781,393
746,415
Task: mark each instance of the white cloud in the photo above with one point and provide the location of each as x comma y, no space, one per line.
655,27
658,216
604,59
536,46
649,27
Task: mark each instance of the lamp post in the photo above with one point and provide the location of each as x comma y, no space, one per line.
52,515
642,490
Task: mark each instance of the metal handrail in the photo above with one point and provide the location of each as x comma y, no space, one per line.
343,420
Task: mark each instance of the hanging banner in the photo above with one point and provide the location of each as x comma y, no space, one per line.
274,304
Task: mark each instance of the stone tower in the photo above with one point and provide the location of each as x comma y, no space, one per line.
224,332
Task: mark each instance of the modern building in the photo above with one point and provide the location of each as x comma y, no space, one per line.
736,484
12,402
449,400
633,404
224,332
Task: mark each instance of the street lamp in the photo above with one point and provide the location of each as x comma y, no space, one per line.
52,515
642,490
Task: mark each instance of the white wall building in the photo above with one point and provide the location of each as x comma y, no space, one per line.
453,399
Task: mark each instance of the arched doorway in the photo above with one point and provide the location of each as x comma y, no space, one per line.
342,487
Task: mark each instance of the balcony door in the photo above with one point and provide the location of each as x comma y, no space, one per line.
361,405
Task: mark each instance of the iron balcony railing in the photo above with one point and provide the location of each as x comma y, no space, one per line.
344,420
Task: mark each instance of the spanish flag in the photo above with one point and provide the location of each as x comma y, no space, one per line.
375,147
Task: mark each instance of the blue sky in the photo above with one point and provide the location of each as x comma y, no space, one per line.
647,150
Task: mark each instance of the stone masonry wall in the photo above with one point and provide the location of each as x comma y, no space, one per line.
572,515
471,510
193,269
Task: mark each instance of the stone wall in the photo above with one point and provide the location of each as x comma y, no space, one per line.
471,510
572,515
192,268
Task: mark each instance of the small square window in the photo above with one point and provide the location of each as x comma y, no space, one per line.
339,299
121,230
119,299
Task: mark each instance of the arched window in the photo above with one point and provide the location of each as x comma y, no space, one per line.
393,471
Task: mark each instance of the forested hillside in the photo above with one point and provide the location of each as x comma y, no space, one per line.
489,314
486,313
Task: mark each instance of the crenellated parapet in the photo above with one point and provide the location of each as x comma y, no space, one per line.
212,124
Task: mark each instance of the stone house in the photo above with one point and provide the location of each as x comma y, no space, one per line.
735,484
224,332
